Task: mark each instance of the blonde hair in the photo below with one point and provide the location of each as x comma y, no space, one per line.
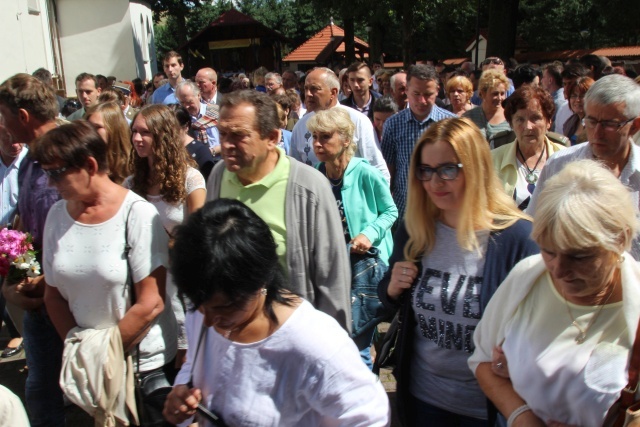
490,79
334,120
118,139
485,205
585,206
463,82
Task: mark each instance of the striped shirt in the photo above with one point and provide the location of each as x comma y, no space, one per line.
401,131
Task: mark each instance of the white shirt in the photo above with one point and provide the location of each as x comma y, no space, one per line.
87,263
307,373
363,136
9,188
563,113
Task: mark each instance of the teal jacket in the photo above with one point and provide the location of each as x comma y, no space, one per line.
368,205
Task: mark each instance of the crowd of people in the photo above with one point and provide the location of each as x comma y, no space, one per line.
220,249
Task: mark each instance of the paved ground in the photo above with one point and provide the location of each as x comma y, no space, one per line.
13,374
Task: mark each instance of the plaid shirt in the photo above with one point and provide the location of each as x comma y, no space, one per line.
208,118
401,131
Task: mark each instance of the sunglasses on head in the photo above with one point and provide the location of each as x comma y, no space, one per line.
55,174
496,61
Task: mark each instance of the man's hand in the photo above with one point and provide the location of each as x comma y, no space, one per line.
27,294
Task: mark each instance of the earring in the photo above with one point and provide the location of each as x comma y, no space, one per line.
263,291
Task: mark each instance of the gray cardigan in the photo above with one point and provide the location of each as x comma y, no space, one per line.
317,263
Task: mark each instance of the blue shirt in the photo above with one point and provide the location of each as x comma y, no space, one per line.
401,131
9,188
165,94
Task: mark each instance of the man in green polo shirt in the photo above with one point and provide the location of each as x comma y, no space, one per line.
292,198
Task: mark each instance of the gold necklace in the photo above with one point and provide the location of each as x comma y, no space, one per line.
582,335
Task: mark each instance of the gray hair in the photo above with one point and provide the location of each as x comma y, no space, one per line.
392,80
585,206
331,80
422,72
276,76
335,120
615,89
385,104
189,84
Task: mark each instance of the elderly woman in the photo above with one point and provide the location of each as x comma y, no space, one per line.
490,117
573,127
461,236
362,194
567,363
108,120
459,89
85,261
258,354
530,111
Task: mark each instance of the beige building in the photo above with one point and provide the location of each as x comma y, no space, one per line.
68,37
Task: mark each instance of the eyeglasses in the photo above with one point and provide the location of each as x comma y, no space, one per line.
496,61
576,97
446,172
611,125
55,174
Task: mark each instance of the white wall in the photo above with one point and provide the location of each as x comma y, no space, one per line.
143,40
25,41
97,37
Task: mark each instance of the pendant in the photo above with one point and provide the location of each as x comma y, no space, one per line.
531,178
580,338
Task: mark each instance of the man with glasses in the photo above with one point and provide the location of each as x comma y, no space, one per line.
29,109
612,117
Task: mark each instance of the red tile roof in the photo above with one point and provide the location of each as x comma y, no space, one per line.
309,50
609,52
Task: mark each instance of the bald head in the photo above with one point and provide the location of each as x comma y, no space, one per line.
207,81
321,89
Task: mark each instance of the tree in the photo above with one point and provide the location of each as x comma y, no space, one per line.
503,23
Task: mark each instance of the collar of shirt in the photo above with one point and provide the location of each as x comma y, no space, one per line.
15,163
430,117
365,109
209,101
203,110
267,181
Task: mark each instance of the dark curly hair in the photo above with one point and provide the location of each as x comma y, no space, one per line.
170,158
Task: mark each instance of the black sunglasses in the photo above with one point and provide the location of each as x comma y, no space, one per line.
55,174
497,61
446,172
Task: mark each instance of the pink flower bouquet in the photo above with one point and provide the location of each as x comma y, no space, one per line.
17,257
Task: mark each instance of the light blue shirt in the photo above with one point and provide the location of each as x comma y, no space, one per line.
164,95
9,188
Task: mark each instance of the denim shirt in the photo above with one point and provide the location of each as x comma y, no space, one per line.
35,199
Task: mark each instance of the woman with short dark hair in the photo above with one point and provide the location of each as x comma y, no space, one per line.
86,263
258,354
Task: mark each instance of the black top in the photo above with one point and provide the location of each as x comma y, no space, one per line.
203,157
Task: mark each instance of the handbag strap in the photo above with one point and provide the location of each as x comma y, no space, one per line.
203,330
132,290
628,394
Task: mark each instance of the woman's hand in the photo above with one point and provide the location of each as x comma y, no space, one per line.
360,244
499,364
404,273
31,287
181,403
529,419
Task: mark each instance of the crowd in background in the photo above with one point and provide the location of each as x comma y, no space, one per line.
240,237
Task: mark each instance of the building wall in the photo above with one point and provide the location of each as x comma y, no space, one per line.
26,40
103,37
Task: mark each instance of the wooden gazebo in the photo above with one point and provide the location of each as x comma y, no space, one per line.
233,42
